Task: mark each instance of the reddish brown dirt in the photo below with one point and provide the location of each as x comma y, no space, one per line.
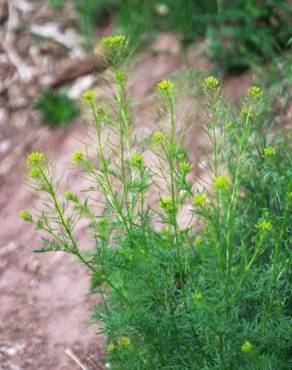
44,301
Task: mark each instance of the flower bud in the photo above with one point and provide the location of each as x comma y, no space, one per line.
26,216
35,158
158,137
264,226
221,183
165,87
166,204
124,342
89,95
77,157
137,160
211,84
71,197
246,346
200,199
269,151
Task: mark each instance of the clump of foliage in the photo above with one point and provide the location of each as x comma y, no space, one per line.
276,79
213,294
240,32
56,108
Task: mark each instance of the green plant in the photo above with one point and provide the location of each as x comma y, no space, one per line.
276,79
240,32
56,108
214,294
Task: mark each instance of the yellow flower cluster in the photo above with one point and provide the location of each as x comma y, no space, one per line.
113,41
221,183
122,343
111,348
35,158
36,162
211,84
264,225
255,92
166,203
246,346
89,95
164,86
200,199
269,151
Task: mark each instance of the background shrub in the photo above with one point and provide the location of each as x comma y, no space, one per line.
56,108
240,32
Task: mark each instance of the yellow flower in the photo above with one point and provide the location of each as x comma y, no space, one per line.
137,159
77,156
164,86
124,342
255,92
112,41
264,225
211,84
158,137
166,203
111,348
246,346
269,151
221,183
200,199
35,158
26,216
89,95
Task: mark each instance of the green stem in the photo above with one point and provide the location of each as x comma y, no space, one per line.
235,188
142,200
111,197
122,101
172,154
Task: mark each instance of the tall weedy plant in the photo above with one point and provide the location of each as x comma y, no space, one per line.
214,294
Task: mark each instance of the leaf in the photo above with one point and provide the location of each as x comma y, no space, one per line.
51,246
